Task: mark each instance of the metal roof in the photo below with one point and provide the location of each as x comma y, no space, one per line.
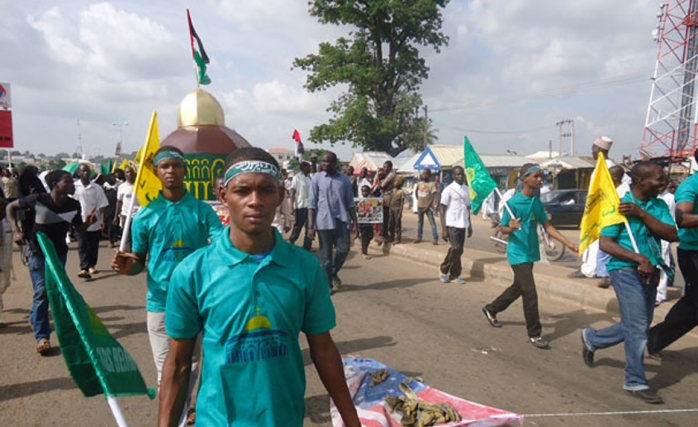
568,162
371,160
447,155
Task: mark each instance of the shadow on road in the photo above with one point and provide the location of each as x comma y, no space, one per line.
390,284
18,391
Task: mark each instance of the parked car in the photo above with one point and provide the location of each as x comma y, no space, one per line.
565,207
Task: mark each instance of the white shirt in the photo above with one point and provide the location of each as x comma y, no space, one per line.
300,183
124,194
456,198
91,197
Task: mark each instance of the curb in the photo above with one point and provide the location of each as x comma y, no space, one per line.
551,280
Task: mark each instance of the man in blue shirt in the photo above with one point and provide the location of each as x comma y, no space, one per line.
523,250
331,212
164,233
634,269
251,293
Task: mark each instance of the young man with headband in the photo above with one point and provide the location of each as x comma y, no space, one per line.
164,233
523,250
251,293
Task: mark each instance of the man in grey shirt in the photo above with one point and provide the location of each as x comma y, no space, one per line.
331,212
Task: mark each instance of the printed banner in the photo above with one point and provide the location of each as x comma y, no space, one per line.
6,140
369,210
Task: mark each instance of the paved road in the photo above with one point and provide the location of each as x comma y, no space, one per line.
390,310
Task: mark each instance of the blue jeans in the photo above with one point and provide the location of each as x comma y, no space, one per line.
636,302
420,222
329,239
39,312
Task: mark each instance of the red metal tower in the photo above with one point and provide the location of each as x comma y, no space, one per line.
672,116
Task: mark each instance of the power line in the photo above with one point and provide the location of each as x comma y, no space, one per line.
504,132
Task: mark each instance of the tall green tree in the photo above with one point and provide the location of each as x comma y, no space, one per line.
380,63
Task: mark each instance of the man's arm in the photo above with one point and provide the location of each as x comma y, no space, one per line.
444,229
354,222
611,247
555,234
658,228
685,218
117,212
175,380
329,366
10,211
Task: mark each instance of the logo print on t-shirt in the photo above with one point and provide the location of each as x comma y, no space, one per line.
177,252
258,342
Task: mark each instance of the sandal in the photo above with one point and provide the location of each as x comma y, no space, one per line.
43,347
191,416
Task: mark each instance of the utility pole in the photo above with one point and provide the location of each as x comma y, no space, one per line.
426,126
78,149
121,138
566,133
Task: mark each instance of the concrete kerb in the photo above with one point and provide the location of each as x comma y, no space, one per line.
551,280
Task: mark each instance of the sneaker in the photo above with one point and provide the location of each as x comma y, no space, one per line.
587,353
84,274
418,240
460,281
93,271
605,283
444,278
491,318
538,342
367,257
655,355
647,395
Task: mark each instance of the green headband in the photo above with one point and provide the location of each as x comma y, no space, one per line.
531,170
250,166
168,154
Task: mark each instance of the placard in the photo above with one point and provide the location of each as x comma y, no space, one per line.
369,210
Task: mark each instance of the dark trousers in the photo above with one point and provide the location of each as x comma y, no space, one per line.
88,248
300,222
384,224
366,231
330,239
452,266
113,230
683,316
395,225
524,286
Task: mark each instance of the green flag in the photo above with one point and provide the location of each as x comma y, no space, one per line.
479,180
96,360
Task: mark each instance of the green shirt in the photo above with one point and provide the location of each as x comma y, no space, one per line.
647,243
688,192
251,313
522,246
168,232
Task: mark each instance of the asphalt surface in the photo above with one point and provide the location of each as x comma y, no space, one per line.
393,309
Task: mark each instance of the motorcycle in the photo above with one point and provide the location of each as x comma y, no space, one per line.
554,250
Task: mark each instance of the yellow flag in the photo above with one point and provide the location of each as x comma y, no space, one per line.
148,184
124,164
601,208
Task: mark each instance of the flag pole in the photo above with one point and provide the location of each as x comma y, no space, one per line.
632,236
117,411
191,44
499,193
127,222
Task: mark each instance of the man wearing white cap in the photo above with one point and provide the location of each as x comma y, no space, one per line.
602,144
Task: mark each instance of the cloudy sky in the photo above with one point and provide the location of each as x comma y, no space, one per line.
512,69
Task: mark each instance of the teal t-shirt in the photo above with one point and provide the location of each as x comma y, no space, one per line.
251,314
523,243
647,244
169,232
688,192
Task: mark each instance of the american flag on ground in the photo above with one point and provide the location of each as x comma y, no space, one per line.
374,412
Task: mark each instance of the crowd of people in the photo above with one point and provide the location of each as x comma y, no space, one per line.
258,291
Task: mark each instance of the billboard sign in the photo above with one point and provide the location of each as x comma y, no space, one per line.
6,129
5,98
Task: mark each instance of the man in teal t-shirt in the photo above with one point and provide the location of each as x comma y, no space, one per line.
525,211
634,270
251,294
164,233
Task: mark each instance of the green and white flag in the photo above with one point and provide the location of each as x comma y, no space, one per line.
95,359
480,182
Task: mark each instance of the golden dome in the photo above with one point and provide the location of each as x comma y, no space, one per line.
258,322
200,108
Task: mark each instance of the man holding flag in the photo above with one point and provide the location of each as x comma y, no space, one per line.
520,220
636,257
166,231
